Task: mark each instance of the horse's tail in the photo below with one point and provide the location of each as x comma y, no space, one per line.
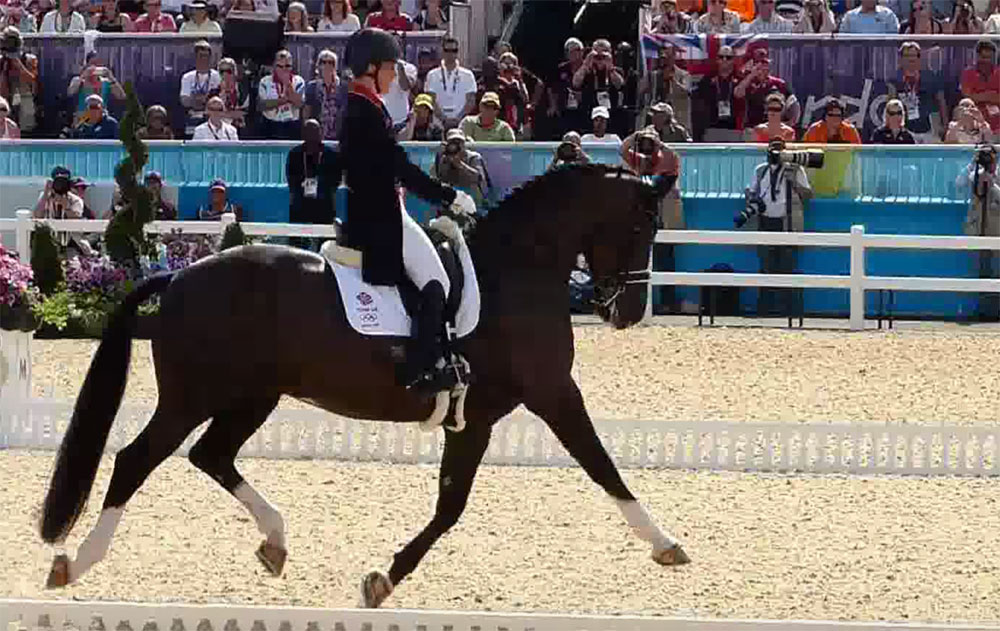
93,415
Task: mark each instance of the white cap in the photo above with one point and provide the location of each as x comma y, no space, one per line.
600,111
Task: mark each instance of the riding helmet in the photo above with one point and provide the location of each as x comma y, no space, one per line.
370,46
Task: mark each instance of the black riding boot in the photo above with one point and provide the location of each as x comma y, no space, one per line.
430,374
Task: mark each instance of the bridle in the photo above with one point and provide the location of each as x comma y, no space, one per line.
624,277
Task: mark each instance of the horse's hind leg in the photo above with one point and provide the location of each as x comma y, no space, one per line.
161,437
215,454
563,411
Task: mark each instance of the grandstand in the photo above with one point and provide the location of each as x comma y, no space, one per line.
648,56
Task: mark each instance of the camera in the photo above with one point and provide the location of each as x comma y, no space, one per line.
647,146
567,151
809,158
985,157
453,147
10,43
61,184
753,205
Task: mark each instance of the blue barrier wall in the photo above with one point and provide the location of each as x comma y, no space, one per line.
889,190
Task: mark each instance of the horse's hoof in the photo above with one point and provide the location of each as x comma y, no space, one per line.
59,574
272,557
375,588
673,555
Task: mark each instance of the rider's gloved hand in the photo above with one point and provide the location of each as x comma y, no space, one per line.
463,204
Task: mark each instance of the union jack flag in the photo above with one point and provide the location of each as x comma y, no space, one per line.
697,53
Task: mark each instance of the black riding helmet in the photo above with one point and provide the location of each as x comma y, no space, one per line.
370,46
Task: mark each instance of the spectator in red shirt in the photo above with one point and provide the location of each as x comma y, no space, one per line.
153,21
757,84
389,18
981,83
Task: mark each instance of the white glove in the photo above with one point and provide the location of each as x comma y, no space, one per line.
463,204
447,227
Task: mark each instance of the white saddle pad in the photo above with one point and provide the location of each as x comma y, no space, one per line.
378,310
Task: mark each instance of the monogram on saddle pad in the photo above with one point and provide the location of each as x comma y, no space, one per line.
385,310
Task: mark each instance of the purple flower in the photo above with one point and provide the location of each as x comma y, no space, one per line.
17,284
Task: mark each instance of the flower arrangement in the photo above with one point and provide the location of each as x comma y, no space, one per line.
18,293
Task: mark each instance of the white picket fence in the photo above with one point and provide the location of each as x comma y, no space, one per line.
523,439
29,615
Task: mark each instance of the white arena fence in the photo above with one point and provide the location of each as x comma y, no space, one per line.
857,281
29,615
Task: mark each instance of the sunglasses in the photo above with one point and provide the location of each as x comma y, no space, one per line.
834,115
450,50
894,112
726,57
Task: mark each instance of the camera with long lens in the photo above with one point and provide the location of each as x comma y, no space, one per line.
453,147
808,158
61,184
753,205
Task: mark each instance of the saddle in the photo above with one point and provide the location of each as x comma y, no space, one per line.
388,311
408,292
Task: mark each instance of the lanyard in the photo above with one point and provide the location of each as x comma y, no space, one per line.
454,81
202,88
305,163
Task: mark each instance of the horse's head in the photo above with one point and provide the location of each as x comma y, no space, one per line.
619,244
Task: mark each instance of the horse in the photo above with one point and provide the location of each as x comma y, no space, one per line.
239,329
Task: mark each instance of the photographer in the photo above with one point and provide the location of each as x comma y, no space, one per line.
569,151
770,198
459,167
58,201
19,80
983,219
964,20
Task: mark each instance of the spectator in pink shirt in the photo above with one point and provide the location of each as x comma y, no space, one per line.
154,21
981,83
390,18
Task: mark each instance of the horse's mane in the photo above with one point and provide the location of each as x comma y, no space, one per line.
524,201
521,197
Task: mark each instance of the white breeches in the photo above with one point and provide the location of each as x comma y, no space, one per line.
419,258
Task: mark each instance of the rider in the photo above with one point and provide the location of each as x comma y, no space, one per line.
392,244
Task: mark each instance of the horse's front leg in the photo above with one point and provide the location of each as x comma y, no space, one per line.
463,451
562,409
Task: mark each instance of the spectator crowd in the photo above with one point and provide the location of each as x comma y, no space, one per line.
596,92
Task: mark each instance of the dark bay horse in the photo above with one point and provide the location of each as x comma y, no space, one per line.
238,330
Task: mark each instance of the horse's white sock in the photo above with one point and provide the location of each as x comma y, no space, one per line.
643,525
97,543
269,520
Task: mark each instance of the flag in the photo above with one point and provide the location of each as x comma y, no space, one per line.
697,53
